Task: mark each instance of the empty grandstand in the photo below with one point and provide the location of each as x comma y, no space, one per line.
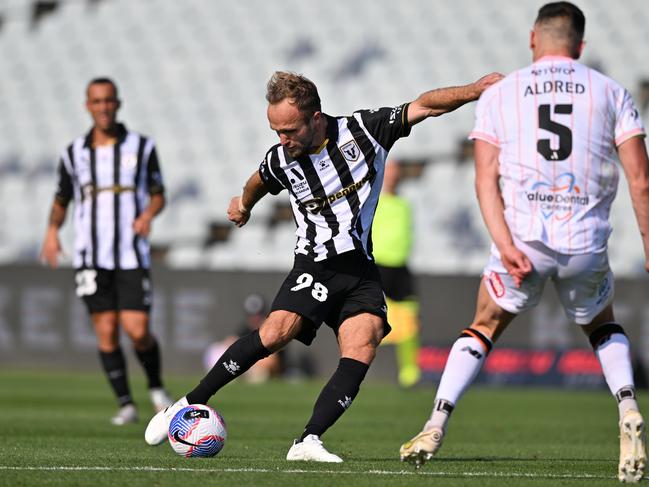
193,74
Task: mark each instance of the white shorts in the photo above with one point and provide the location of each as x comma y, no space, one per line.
584,282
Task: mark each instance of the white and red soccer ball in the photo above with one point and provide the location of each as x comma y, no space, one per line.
197,431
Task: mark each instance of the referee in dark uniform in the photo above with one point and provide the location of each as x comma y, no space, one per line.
332,168
113,176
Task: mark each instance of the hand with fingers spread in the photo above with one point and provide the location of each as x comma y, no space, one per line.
485,82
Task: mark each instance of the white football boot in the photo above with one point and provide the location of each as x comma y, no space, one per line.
160,399
125,415
422,447
633,456
310,449
158,427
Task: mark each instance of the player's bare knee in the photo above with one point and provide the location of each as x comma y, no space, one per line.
361,350
491,323
142,340
107,338
279,329
359,339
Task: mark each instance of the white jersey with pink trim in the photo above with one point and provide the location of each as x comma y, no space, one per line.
557,124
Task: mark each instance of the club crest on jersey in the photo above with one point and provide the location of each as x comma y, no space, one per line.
496,284
350,151
129,161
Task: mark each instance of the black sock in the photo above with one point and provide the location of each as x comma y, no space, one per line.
114,366
150,360
336,396
241,355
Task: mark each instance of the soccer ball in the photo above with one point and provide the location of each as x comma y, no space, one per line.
197,431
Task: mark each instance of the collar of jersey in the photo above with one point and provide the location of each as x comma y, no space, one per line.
322,146
122,132
554,57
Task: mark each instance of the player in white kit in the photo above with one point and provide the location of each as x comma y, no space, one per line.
546,175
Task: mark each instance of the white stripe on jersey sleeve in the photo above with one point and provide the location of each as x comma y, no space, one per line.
484,127
628,122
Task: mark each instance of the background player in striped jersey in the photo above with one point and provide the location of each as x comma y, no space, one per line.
546,175
332,168
114,177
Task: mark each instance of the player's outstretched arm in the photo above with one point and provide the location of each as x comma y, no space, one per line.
241,206
633,156
493,211
52,249
443,100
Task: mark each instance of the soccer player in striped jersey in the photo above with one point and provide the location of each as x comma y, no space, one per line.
546,175
332,168
114,178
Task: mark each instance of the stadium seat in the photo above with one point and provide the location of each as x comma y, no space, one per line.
197,86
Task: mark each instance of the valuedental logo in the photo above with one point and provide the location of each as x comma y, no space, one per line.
558,199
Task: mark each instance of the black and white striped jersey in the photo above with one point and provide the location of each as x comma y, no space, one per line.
110,186
334,192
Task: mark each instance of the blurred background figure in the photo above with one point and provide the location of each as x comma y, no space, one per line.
255,310
113,177
392,237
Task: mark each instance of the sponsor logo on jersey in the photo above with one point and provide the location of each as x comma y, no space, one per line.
350,151
496,284
557,199
540,71
316,205
298,181
396,111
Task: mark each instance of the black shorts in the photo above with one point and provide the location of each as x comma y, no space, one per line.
114,290
331,291
398,283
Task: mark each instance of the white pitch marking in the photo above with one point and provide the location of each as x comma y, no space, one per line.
302,471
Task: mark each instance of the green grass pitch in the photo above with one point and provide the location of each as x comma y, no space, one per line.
55,431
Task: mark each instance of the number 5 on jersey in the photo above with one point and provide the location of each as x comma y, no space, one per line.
543,146
319,292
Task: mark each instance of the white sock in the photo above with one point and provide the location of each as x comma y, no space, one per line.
464,362
614,354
